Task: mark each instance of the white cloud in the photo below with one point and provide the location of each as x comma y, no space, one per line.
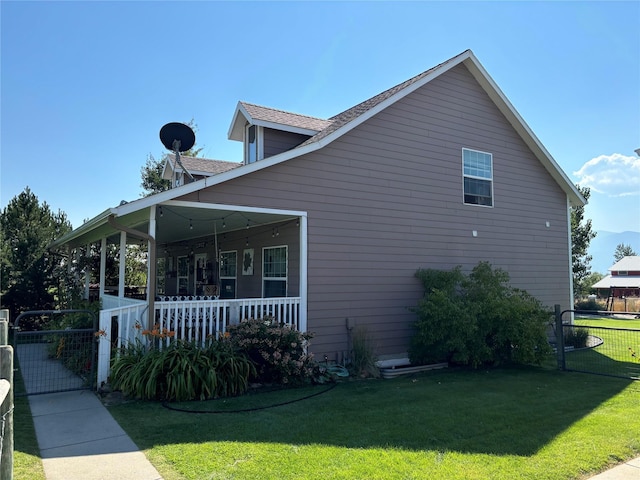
615,175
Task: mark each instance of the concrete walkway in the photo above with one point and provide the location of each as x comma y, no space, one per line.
80,440
77,436
627,471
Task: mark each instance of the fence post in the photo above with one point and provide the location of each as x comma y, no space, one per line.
6,411
559,338
4,332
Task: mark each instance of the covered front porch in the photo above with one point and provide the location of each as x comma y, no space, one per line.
208,266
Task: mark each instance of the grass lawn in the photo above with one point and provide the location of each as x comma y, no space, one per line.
520,423
618,355
26,454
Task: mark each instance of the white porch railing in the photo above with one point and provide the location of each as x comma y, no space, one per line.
110,301
191,320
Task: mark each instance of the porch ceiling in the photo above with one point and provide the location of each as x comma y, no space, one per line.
174,224
177,223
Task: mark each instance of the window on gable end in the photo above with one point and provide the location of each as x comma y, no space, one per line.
477,168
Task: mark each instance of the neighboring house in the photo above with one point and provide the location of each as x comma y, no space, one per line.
623,279
327,220
199,168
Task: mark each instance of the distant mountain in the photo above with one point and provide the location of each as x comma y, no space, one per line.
604,246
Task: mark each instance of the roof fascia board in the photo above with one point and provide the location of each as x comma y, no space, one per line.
233,208
168,169
87,226
158,198
521,127
236,131
284,127
236,128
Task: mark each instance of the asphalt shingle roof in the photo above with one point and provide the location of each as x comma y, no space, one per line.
354,112
281,117
197,164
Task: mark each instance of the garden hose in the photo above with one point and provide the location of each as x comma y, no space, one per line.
168,406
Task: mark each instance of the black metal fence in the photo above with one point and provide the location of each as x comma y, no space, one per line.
57,360
603,350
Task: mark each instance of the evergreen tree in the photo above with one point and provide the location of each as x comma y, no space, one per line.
581,236
27,268
622,251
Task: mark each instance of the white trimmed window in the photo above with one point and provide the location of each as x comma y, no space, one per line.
228,273
274,272
477,169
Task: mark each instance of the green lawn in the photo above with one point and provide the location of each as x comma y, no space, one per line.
26,454
503,423
619,354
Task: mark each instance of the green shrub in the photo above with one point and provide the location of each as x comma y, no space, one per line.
576,337
181,371
278,351
477,320
590,305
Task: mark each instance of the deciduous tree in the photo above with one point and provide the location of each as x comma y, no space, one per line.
581,236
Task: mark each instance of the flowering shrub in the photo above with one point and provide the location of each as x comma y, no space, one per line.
278,351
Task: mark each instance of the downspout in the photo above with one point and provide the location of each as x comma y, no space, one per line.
152,261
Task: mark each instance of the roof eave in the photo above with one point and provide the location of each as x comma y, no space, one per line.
83,229
239,120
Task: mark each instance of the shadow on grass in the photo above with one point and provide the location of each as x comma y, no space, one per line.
502,411
617,355
592,361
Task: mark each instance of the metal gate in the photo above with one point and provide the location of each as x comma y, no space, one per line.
597,349
56,359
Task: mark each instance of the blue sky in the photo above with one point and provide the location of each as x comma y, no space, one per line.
86,86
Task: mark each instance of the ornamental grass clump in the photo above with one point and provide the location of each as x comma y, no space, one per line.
278,351
181,370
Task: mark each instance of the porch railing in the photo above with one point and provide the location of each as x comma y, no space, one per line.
191,320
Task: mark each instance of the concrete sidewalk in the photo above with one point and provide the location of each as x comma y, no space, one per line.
80,440
629,470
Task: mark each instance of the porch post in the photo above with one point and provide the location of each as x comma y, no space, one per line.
121,269
303,273
103,265
151,267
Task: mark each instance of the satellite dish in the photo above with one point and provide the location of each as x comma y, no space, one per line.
178,137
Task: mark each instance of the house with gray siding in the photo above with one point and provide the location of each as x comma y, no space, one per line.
325,221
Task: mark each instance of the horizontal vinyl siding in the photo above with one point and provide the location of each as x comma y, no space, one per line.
386,199
276,141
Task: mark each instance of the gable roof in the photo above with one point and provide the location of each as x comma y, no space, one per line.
344,122
358,110
337,126
198,166
627,264
273,118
